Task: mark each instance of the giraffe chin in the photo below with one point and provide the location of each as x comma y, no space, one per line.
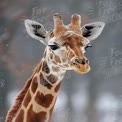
82,69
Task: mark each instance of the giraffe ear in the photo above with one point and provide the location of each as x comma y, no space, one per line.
92,30
36,30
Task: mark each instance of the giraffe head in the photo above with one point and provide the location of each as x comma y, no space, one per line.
66,44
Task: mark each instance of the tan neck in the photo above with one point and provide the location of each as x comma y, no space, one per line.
41,95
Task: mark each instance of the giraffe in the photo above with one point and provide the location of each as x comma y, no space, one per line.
65,49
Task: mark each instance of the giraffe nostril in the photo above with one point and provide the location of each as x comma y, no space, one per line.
77,61
83,62
80,61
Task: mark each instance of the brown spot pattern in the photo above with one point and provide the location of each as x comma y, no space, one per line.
71,55
18,102
55,69
66,65
35,117
52,78
57,59
54,62
51,110
27,99
34,84
51,56
44,100
20,116
44,82
45,68
57,87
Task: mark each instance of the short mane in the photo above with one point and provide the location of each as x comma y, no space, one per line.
20,97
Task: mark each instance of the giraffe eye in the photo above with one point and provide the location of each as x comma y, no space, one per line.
54,47
87,46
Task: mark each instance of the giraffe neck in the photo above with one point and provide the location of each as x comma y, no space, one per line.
40,98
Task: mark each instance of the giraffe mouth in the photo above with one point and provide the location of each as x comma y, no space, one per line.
82,69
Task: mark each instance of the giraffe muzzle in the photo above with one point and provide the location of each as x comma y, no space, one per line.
80,65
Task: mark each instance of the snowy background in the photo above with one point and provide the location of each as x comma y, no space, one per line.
93,97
